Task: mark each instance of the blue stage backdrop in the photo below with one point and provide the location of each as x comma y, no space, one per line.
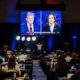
40,19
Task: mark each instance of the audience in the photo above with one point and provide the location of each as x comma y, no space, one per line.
12,64
62,67
58,63
23,57
75,61
76,75
68,57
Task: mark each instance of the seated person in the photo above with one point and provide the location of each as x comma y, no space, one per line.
12,64
61,68
23,57
68,57
75,61
76,75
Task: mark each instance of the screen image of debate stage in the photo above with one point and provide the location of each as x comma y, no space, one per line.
40,22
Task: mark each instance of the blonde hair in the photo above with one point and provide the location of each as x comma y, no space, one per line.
10,52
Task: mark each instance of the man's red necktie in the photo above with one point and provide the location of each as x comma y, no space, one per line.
30,30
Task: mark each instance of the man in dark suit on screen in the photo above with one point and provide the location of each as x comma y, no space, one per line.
29,27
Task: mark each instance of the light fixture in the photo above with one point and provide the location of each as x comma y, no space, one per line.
33,38
23,38
28,38
17,38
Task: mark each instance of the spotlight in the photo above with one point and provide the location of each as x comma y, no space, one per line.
33,38
17,38
28,39
23,38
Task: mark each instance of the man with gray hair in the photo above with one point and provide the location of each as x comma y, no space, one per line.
30,27
30,20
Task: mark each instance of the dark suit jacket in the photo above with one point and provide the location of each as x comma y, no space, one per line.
47,29
24,28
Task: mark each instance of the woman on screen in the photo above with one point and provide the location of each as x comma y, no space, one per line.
51,27
51,24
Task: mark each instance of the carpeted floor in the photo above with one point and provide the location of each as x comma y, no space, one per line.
37,72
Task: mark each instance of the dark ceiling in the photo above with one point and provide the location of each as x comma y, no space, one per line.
71,14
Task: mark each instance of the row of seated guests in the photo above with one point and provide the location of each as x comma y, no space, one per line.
10,65
25,60
23,57
58,69
61,64
73,59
